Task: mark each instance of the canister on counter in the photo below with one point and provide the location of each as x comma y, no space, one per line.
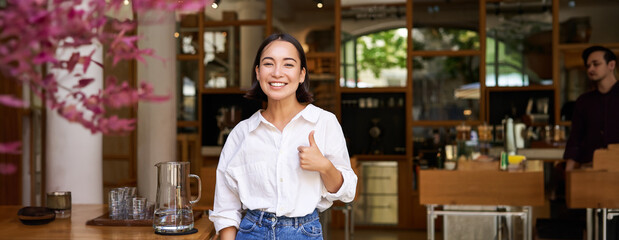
504,161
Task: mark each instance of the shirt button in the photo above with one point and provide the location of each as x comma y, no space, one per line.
281,180
273,219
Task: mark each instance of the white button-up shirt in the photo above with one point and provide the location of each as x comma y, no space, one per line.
259,168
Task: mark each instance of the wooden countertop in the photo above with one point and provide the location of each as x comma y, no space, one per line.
592,189
76,228
483,187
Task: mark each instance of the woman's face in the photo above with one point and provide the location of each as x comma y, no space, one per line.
279,71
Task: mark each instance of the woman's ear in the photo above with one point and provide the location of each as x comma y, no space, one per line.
257,73
302,75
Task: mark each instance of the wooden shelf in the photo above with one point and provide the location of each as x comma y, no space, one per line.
582,46
447,53
365,157
185,57
256,22
374,90
445,123
320,55
223,91
526,88
187,124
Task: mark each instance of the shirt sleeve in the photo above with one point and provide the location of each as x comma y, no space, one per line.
337,152
576,134
227,204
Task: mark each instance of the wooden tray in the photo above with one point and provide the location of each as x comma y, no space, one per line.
104,220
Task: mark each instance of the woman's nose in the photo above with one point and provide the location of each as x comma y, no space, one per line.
277,71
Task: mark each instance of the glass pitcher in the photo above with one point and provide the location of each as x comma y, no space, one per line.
173,213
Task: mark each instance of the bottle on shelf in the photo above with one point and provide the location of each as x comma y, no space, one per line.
440,159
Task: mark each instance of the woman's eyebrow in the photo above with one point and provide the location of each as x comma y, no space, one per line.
270,58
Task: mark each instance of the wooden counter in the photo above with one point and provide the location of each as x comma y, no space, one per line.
592,189
76,228
484,187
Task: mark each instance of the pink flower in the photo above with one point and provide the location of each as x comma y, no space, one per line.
7,168
11,101
10,147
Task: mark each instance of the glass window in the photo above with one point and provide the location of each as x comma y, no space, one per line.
446,88
441,38
219,58
374,46
187,35
187,90
187,41
518,44
375,60
445,25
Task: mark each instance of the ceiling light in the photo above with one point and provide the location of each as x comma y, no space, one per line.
319,3
126,2
215,4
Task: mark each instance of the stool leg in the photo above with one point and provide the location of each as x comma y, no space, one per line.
352,220
346,224
604,211
430,222
589,224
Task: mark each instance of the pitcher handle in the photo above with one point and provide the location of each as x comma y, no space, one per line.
199,188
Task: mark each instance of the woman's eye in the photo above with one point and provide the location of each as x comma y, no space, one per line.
289,65
267,64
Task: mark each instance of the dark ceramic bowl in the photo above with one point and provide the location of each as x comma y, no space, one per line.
36,215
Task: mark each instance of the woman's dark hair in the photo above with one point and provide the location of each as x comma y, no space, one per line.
303,92
608,54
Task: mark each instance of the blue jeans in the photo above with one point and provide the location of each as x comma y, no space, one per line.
266,226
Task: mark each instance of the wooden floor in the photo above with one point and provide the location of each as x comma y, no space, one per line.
365,234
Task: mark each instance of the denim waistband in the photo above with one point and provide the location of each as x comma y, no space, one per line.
262,217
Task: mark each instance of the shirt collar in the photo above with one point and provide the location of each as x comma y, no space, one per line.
309,113
615,87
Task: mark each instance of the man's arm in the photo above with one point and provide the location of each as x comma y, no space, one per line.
572,147
570,165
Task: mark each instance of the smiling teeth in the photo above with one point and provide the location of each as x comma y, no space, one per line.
277,84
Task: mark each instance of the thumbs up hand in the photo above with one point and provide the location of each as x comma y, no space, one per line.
311,159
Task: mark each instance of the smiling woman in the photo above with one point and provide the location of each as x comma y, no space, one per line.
269,167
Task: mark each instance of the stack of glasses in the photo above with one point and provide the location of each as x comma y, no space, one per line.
124,204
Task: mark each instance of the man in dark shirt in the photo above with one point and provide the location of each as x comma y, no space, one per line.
595,122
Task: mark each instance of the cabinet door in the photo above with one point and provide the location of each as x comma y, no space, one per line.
377,202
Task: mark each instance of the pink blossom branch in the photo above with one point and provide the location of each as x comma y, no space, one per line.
32,32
